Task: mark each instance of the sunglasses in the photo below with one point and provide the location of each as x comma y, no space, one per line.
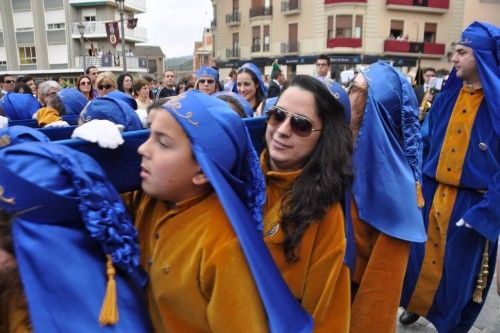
300,124
105,86
209,81
85,83
9,81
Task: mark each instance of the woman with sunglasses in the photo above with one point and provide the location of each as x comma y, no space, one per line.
307,165
84,85
207,80
105,83
249,85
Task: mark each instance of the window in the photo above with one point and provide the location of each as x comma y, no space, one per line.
267,40
396,29
343,26
236,5
293,33
27,55
358,26
89,18
330,34
55,26
24,29
256,39
430,32
236,41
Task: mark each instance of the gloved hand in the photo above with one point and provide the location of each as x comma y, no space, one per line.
462,223
59,123
4,122
103,132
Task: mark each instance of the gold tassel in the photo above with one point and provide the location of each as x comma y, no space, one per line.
482,277
109,308
420,196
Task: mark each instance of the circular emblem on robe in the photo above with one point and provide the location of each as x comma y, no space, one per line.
483,146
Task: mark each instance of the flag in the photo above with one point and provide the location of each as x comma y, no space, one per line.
113,33
132,23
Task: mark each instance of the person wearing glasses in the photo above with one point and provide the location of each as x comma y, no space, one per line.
323,66
84,85
207,80
7,83
105,83
386,193
307,165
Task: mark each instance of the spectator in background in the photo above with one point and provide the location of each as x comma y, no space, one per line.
125,83
232,80
84,85
420,91
105,83
23,88
29,80
46,89
92,72
8,83
278,79
323,66
168,85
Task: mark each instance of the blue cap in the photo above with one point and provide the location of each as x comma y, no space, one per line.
113,110
208,72
224,151
120,95
68,219
73,99
18,134
247,108
19,106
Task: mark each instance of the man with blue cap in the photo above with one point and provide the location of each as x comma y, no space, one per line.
74,252
386,194
449,276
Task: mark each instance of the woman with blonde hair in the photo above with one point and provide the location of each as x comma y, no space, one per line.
105,83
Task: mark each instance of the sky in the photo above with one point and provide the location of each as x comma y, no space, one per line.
176,24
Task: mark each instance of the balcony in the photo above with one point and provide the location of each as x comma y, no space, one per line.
422,6
266,48
110,63
344,42
233,53
260,11
328,2
97,29
288,48
256,48
135,6
433,50
290,7
233,19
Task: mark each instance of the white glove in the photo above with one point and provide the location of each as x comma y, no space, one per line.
143,117
59,123
103,132
462,223
4,122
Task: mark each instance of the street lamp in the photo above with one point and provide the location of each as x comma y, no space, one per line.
121,6
81,29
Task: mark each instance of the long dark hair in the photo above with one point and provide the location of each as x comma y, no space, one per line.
119,83
326,175
90,94
259,95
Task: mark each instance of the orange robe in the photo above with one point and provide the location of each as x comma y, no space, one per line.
199,279
319,279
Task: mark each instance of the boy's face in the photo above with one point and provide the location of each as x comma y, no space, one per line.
169,171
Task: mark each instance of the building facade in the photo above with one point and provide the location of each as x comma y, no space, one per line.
203,50
43,38
154,59
350,32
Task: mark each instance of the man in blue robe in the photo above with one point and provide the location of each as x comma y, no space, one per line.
448,277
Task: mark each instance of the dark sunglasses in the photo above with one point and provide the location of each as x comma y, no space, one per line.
209,81
85,83
300,124
9,81
105,86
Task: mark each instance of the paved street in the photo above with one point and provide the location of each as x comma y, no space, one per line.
487,322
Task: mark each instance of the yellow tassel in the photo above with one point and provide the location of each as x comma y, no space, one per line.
482,277
420,196
109,308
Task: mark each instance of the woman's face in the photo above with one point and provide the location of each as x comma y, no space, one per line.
287,150
105,87
207,85
246,87
127,83
144,92
84,85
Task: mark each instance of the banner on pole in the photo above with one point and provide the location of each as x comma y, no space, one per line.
113,33
132,23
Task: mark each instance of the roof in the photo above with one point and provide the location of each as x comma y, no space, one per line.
152,51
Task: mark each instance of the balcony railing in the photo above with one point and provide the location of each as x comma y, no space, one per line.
290,7
327,2
256,48
233,53
397,46
260,11
429,6
109,61
344,42
97,29
138,6
233,18
290,47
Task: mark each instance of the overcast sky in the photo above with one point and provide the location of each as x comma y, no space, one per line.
176,24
